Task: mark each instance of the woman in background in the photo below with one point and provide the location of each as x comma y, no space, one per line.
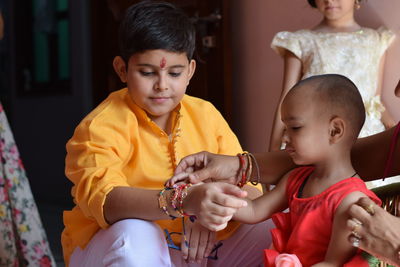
23,241
340,45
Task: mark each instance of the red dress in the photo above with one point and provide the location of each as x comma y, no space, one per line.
305,231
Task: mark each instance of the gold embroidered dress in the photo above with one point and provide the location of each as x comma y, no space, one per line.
355,55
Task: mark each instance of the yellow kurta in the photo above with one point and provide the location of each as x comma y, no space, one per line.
117,144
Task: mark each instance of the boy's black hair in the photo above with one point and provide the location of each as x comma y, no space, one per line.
312,3
151,25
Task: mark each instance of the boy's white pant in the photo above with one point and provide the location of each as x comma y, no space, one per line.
141,243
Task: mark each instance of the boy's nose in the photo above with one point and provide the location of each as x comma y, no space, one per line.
161,85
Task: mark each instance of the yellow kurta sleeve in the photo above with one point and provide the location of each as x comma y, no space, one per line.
95,157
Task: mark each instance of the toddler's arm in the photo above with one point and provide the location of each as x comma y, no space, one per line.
291,75
263,207
340,250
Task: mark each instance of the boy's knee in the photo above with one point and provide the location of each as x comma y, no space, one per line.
127,223
136,229
129,242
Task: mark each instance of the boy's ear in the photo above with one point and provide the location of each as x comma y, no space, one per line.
337,127
192,68
120,68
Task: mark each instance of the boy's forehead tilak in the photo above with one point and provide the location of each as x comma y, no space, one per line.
163,63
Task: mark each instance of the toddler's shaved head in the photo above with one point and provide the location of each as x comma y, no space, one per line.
334,95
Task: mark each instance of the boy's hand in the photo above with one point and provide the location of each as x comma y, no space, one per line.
204,165
200,241
214,203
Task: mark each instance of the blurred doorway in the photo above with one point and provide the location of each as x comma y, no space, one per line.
212,80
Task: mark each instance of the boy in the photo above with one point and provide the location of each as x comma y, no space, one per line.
123,151
322,116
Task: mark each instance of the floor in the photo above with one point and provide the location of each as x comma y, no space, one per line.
51,215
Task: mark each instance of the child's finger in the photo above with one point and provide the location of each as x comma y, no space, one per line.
203,241
220,211
229,201
231,196
185,246
219,227
210,244
232,190
193,244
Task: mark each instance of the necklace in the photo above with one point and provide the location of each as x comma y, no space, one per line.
300,192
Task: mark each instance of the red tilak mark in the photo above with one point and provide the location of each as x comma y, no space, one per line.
163,62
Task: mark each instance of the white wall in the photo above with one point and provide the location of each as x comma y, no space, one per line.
258,70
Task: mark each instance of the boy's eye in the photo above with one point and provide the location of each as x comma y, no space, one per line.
175,74
146,73
295,128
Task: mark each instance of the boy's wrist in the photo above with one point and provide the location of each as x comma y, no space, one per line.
187,204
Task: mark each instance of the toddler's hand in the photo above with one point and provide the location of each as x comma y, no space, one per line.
214,203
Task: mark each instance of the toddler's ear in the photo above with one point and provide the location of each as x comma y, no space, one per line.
120,68
336,128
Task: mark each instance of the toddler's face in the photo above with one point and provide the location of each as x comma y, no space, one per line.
335,9
306,129
157,81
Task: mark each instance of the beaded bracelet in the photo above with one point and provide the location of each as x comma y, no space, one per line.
183,195
179,194
162,202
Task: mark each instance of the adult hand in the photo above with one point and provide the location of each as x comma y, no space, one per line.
204,165
375,230
200,242
214,203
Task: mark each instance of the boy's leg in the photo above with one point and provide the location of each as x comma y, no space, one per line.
128,242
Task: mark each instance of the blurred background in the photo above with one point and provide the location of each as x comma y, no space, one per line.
56,65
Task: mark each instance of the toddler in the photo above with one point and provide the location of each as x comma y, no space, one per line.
322,116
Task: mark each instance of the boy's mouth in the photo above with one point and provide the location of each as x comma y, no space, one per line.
330,8
159,99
